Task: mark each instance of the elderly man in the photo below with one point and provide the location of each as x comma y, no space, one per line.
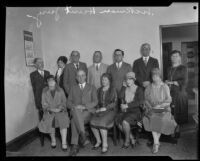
96,70
69,78
81,102
39,81
142,67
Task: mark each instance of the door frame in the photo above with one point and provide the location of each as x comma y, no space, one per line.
160,35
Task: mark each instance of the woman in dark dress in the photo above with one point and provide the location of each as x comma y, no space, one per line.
103,118
61,62
177,81
131,98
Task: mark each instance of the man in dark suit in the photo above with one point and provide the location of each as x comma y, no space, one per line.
142,67
71,69
38,82
81,101
118,69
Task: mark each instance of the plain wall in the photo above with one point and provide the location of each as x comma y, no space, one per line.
20,111
106,32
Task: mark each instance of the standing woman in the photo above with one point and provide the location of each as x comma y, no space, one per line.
158,119
103,118
131,98
61,62
177,81
55,112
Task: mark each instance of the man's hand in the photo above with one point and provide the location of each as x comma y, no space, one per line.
55,110
124,106
175,83
81,107
145,83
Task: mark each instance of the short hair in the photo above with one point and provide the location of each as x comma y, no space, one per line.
50,77
119,50
74,52
146,44
107,75
97,51
79,71
63,59
174,52
36,59
156,71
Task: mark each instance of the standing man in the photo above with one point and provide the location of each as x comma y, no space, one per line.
118,70
96,70
38,82
81,101
71,69
142,67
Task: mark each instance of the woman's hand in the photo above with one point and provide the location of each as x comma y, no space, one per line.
102,109
175,83
157,107
124,106
55,110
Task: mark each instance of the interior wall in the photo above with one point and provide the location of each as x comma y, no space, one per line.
20,112
106,32
176,35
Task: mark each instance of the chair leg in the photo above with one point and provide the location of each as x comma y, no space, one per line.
114,135
41,139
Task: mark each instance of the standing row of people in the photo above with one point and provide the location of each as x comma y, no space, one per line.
101,94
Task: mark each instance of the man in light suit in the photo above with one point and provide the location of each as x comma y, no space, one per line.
70,70
81,101
96,70
39,81
118,70
142,67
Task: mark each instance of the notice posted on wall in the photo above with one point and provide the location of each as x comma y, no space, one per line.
28,47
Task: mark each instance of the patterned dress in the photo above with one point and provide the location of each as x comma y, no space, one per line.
105,119
161,122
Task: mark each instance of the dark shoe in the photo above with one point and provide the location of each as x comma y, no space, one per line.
177,132
83,139
96,147
134,143
74,150
125,146
150,143
64,147
104,150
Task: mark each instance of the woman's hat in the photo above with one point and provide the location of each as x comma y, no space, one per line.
130,75
50,77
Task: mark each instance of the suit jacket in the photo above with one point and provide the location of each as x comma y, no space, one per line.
142,72
86,97
94,77
38,83
118,75
69,78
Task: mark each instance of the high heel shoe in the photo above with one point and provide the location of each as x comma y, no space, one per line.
104,151
53,145
97,146
125,146
155,148
134,143
64,147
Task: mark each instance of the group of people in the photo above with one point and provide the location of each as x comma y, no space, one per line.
107,95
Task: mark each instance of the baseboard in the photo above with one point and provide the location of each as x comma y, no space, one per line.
22,140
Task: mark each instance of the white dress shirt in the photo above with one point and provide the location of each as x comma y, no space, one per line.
82,86
97,65
118,65
41,72
145,58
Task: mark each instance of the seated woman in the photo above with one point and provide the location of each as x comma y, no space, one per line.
103,118
55,114
158,118
131,98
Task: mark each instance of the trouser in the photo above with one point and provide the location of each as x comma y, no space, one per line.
78,120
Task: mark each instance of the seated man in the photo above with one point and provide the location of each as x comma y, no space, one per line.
81,101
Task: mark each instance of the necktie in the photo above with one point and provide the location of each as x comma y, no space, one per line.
81,86
77,67
97,67
145,61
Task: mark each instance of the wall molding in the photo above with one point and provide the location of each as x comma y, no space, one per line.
22,140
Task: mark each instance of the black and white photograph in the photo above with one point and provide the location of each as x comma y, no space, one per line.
102,81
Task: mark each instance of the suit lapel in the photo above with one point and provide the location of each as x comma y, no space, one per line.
144,67
86,88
